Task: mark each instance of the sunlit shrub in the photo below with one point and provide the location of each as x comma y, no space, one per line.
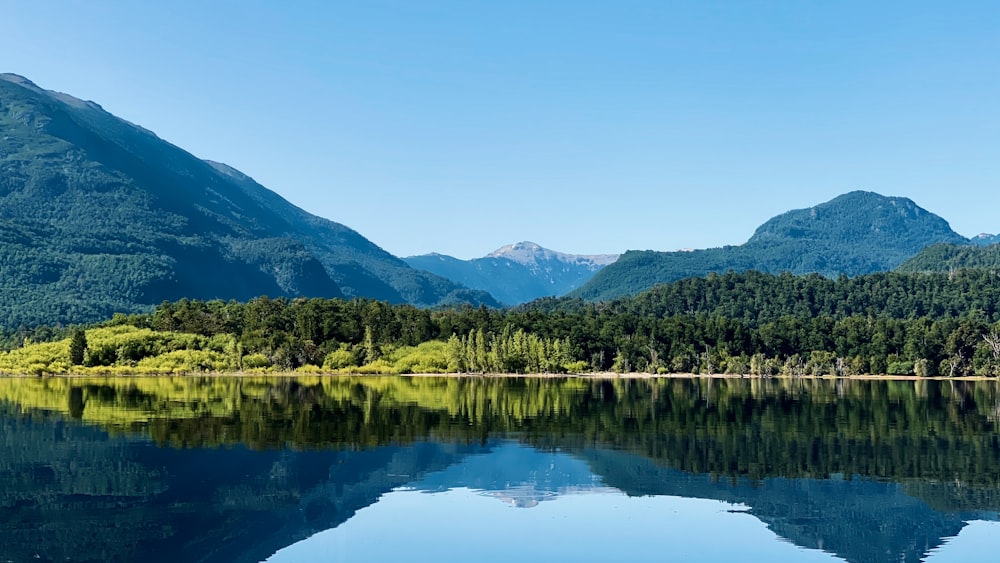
185,361
379,366
338,359
255,361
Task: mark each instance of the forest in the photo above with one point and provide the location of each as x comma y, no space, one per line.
751,323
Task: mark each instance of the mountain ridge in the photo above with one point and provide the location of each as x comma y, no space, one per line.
517,273
527,253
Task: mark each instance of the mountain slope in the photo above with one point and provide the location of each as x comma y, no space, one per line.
98,215
517,273
950,257
855,233
361,268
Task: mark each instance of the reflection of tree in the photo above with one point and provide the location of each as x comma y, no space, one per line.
72,492
736,427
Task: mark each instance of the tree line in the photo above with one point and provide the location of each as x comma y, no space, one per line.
737,323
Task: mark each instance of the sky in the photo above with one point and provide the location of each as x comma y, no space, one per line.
459,126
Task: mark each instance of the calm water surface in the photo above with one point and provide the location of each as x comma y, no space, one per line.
432,469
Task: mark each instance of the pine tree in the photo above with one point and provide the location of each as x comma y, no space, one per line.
78,347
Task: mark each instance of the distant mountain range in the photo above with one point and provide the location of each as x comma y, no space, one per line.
98,215
517,273
856,233
985,239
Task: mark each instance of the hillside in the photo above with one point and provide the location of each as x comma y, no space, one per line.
517,273
951,257
98,215
853,234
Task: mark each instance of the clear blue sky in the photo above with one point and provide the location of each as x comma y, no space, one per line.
587,127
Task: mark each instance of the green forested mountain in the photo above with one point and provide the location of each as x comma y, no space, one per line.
98,215
951,257
856,233
517,273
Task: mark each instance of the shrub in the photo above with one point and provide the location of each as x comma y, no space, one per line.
900,368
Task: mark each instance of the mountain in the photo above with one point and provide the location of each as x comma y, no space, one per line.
98,215
856,233
985,239
517,273
951,257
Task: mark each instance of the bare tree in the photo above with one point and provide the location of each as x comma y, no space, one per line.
993,339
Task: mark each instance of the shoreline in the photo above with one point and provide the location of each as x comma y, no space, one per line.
593,375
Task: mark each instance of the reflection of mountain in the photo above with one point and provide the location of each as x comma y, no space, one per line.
860,520
516,474
69,492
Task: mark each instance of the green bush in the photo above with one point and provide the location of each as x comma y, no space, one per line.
900,368
256,361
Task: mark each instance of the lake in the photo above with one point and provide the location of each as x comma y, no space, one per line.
355,469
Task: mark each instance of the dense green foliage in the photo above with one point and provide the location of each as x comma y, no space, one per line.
737,323
952,257
756,298
924,324
99,216
856,233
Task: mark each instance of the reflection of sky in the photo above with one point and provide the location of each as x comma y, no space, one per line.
978,542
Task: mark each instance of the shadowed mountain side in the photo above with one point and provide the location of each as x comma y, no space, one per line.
853,234
517,273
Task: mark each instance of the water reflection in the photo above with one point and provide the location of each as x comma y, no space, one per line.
608,527
238,469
